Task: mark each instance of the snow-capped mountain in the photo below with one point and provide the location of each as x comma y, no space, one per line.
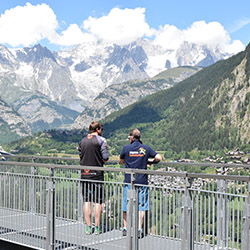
73,78
94,66
97,65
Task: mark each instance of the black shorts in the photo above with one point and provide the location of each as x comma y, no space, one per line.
92,192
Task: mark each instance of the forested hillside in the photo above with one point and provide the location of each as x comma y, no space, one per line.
208,111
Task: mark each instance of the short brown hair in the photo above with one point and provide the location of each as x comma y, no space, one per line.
94,126
135,133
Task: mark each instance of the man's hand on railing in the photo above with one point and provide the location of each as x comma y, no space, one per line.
152,161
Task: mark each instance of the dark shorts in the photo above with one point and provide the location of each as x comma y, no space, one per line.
92,192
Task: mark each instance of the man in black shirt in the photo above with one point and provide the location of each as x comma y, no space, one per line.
93,151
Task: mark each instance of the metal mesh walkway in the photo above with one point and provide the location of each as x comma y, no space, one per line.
19,226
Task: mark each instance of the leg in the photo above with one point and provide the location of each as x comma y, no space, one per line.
98,212
98,198
87,212
86,203
87,207
143,205
124,219
124,206
141,219
124,230
124,209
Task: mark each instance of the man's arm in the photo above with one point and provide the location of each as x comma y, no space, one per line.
158,158
104,149
121,161
79,150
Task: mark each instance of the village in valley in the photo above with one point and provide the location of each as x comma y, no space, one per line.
235,157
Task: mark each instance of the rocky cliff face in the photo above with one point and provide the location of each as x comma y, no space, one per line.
118,96
12,125
235,92
41,113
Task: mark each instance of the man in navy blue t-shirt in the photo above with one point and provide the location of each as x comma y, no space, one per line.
136,155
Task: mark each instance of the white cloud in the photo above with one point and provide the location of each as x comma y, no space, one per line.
72,36
235,47
29,24
26,25
169,37
119,26
211,34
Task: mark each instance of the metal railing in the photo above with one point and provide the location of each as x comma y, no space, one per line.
41,207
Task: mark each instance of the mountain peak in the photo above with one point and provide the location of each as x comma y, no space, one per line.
35,54
6,57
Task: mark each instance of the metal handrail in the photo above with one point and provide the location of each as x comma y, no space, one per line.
192,163
135,171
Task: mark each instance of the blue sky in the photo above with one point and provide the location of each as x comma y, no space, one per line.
60,23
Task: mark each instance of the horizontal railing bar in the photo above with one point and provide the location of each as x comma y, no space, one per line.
208,164
127,170
40,157
193,163
79,167
220,177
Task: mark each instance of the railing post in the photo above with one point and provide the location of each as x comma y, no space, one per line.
246,223
80,201
132,216
50,226
32,190
222,213
187,215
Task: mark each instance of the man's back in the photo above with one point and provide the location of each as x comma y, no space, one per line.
136,155
92,151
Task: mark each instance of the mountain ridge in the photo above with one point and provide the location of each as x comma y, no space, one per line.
198,107
91,67
74,78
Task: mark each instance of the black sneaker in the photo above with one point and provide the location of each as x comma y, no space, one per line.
140,234
124,231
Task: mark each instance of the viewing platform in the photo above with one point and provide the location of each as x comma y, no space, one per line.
41,207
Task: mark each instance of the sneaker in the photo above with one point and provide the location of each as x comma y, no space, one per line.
98,230
88,230
140,234
124,231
